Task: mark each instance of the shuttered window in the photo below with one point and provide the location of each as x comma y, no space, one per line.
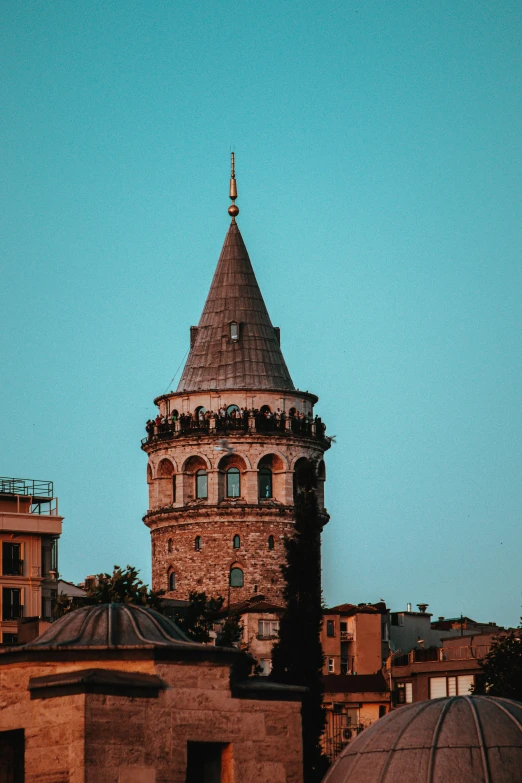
464,683
438,687
408,687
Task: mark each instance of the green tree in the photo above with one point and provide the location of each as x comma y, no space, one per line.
501,667
197,619
297,656
123,586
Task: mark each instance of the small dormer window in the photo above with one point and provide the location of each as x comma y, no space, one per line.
234,331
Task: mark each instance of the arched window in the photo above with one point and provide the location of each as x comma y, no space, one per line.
197,543
233,483
265,409
292,412
236,542
236,577
199,412
270,542
169,546
172,580
201,484
231,409
265,483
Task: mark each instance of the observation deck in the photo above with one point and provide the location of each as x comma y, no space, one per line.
169,428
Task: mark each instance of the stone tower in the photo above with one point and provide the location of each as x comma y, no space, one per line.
227,449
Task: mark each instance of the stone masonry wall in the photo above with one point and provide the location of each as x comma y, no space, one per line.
176,516
208,569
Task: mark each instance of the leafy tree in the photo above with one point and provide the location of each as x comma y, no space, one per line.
501,667
121,587
297,656
197,620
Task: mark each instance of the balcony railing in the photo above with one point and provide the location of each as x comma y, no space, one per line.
464,653
190,425
346,636
34,488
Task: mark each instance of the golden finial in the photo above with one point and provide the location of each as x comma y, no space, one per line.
233,211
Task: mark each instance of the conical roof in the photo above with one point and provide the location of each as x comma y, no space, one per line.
254,360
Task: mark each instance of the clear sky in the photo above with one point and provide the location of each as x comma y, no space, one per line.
378,151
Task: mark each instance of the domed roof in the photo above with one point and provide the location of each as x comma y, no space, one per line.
469,739
111,625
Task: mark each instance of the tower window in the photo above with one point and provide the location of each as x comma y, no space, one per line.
265,483
236,577
233,483
174,488
169,546
172,580
201,484
236,543
197,543
234,331
270,542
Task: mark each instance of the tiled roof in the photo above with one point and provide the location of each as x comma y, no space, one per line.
253,361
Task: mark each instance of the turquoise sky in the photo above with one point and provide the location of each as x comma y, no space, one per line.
378,150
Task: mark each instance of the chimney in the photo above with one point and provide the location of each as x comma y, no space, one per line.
422,607
408,607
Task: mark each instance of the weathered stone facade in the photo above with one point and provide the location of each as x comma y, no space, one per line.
176,517
74,710
207,535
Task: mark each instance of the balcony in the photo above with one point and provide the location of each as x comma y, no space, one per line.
221,426
346,636
432,654
33,488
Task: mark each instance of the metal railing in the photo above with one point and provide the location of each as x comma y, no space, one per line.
432,654
34,488
186,425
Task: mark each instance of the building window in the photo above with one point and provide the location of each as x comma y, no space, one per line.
460,685
236,542
271,542
330,628
169,546
197,543
9,638
12,564
265,664
172,580
201,484
234,331
267,629
331,666
173,487
397,618
232,409
265,483
236,577
11,603
233,483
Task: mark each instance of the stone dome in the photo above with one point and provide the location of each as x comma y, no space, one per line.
112,625
465,739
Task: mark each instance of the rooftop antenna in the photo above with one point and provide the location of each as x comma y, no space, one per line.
233,211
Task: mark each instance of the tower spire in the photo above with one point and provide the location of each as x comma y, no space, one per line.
233,211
